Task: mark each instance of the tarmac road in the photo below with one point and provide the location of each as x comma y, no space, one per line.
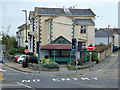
105,77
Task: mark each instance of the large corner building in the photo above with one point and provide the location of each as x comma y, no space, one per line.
47,24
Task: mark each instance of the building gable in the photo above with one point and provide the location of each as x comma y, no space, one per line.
62,19
61,40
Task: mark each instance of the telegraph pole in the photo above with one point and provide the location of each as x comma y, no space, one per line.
108,33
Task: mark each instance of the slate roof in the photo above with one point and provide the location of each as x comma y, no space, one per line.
53,46
102,33
59,11
57,47
84,22
32,14
111,30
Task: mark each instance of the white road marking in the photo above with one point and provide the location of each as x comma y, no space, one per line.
95,78
56,79
25,81
65,79
75,78
24,85
36,80
85,78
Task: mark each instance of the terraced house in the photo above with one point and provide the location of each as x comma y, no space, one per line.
57,26
21,34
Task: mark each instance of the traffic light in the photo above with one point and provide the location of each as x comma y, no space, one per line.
73,44
38,46
79,46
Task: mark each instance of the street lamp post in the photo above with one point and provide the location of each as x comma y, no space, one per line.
26,42
26,23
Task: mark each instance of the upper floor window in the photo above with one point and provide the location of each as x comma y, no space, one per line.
83,44
83,29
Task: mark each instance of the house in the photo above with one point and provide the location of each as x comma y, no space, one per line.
101,36
21,35
58,50
47,24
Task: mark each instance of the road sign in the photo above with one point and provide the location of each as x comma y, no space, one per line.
90,47
26,51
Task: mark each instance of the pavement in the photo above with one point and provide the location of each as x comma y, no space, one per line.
81,72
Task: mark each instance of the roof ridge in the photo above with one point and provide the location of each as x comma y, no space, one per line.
63,8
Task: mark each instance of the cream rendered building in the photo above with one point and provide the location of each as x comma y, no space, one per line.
47,24
21,35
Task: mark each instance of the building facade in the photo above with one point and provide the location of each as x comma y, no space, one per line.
21,35
101,37
47,24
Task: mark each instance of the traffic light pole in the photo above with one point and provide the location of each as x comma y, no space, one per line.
76,57
90,60
39,59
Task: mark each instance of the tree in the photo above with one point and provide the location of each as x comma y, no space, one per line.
10,42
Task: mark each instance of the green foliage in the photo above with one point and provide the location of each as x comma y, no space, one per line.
43,60
21,50
94,58
13,51
32,59
10,42
16,51
51,61
51,65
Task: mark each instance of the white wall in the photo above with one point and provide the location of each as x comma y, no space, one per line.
116,40
103,40
43,53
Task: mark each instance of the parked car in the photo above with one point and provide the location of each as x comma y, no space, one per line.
16,57
1,59
21,58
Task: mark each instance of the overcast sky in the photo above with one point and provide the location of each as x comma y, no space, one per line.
11,11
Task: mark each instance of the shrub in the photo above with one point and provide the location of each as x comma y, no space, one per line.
51,65
94,58
32,59
21,50
51,61
43,60
13,51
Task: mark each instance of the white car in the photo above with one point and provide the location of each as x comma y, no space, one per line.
21,58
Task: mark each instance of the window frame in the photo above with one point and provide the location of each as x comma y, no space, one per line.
83,29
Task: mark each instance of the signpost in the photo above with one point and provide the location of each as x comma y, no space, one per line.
26,51
90,48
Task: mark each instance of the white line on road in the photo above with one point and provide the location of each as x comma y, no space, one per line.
2,70
85,78
24,85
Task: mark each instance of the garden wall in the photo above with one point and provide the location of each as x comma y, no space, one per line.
104,54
